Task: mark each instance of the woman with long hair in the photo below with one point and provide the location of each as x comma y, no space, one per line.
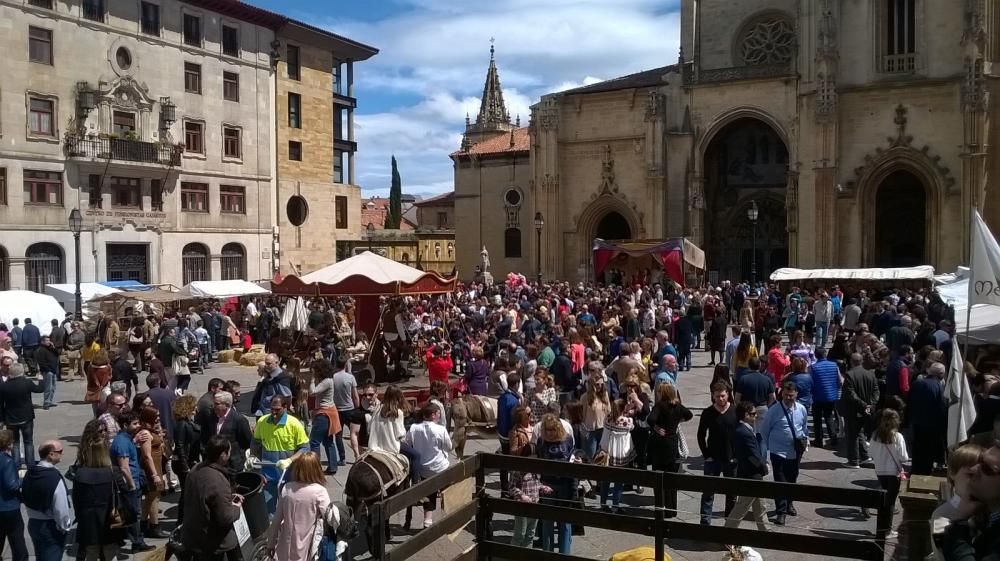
187,439
888,450
596,407
616,442
799,375
299,521
477,376
555,444
95,486
778,360
797,347
543,394
716,336
745,351
524,486
387,428
150,442
98,378
325,418
746,316
664,444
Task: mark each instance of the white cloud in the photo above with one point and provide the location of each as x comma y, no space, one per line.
437,51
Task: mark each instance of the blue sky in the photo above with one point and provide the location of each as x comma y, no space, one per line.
413,95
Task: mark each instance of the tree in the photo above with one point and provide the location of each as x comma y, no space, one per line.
394,217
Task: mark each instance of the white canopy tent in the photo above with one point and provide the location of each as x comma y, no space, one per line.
66,293
220,289
21,304
984,323
367,264
922,272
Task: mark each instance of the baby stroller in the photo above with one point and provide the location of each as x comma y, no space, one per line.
194,360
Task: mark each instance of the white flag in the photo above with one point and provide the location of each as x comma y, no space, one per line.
984,281
961,408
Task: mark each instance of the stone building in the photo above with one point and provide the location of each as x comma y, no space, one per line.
859,129
319,201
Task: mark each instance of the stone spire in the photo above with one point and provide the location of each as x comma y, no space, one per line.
493,117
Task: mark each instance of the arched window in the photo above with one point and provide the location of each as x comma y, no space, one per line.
512,242
451,250
4,269
43,264
234,262
195,263
405,258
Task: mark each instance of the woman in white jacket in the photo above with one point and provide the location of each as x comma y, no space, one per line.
888,451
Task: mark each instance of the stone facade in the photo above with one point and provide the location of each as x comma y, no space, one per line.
318,202
119,159
858,150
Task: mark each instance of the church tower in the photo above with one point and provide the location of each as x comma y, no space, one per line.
493,118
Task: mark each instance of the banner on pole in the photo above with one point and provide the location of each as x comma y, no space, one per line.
984,282
961,408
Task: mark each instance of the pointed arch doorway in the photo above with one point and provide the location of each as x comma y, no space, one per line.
901,195
613,226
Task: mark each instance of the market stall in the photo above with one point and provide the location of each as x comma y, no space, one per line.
65,294
219,290
678,258
21,304
852,280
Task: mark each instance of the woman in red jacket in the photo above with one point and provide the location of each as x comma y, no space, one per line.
439,362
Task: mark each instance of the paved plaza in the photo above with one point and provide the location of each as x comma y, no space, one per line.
819,467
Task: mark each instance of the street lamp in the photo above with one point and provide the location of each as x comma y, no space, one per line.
752,214
75,226
539,224
370,234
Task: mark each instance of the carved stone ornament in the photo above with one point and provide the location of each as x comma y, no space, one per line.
736,73
696,194
548,114
550,183
127,93
975,96
608,184
900,147
826,46
769,41
654,106
826,96
792,199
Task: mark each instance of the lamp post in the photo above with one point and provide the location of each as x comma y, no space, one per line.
539,224
370,234
752,214
75,226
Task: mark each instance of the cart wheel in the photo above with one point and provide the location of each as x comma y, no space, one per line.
259,550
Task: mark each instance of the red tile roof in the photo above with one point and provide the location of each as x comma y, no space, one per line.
500,144
443,198
377,215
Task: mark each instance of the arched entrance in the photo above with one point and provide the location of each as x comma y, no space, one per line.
745,161
613,227
901,198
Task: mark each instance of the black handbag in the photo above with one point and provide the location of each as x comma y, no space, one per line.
122,513
800,442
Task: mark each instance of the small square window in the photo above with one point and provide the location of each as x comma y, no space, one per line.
232,142
43,187
41,117
231,86
194,197
230,41
294,151
232,199
192,30
192,77
126,192
40,45
194,137
292,61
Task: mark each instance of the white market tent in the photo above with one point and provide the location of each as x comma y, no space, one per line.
66,293
41,308
922,272
375,267
984,324
219,289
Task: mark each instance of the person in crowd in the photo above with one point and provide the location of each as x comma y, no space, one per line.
325,417
750,464
186,450
785,436
121,371
387,430
778,360
227,422
98,378
174,358
19,413
439,362
596,408
826,390
745,352
299,521
75,341
930,423
756,387
125,455
279,439
11,522
665,440
860,397
524,486
114,405
897,377
432,444
888,450
207,400
47,361
716,429
31,339
803,381
616,443
667,374
97,486
46,500
799,348
347,400
683,339
542,395
555,443
477,376
439,396
210,507
961,463
717,337
823,315
151,461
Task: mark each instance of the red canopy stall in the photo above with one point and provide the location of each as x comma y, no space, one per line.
366,277
679,258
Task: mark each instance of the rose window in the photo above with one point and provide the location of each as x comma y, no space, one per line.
768,42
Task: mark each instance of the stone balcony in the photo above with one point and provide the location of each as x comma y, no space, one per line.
122,150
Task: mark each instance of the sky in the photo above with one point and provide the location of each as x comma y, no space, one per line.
433,54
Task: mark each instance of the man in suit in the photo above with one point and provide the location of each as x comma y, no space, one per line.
750,464
860,395
19,413
929,419
231,425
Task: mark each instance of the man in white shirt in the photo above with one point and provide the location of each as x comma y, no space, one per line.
431,441
43,492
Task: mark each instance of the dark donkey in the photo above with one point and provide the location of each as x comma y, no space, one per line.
373,478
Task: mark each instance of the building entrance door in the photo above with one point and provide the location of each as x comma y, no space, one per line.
128,262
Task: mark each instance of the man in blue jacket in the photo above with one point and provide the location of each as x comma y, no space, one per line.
826,389
508,400
11,523
31,338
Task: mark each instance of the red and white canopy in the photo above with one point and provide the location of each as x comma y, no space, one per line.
365,274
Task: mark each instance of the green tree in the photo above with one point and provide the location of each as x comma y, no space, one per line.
394,217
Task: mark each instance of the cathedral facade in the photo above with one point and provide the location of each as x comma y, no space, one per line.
859,130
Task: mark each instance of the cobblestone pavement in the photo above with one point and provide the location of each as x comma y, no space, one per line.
820,467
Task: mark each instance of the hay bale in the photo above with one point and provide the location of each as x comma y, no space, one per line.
258,348
237,353
252,358
225,356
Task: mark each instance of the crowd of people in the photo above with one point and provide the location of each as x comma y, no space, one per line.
581,373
